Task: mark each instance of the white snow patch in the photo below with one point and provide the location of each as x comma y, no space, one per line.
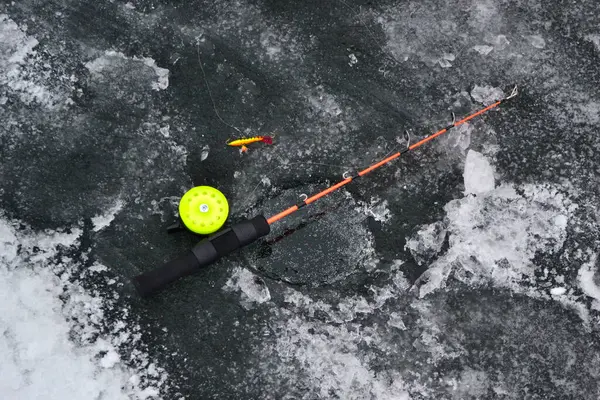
109,58
588,113
97,268
325,103
561,221
269,42
16,55
8,245
484,50
449,56
329,116
486,94
103,220
265,181
558,291
589,283
472,384
484,13
353,60
275,43
110,359
54,343
444,63
304,302
478,174
579,109
38,360
162,74
252,288
494,236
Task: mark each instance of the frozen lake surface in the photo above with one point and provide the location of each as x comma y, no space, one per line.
467,269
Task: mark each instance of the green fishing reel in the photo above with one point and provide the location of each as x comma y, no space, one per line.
202,210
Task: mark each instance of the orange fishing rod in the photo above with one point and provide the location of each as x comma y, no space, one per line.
211,249
348,179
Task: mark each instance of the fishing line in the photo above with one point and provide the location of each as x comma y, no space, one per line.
209,91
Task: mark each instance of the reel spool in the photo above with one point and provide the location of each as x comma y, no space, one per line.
203,210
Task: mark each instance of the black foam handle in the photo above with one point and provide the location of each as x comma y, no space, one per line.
203,254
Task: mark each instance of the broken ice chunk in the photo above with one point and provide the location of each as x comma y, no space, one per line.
252,288
483,49
204,154
499,42
459,137
444,63
478,174
427,242
396,321
486,94
537,41
449,56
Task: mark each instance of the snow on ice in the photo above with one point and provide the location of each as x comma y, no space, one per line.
39,360
15,48
111,58
326,358
54,344
458,138
589,281
252,288
494,237
102,221
499,42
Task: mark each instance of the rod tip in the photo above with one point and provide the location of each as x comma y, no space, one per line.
514,93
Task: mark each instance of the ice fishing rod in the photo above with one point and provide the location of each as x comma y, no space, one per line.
213,206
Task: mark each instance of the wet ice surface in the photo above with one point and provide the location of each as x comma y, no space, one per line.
467,269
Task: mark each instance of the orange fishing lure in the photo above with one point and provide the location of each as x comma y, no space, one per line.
244,141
